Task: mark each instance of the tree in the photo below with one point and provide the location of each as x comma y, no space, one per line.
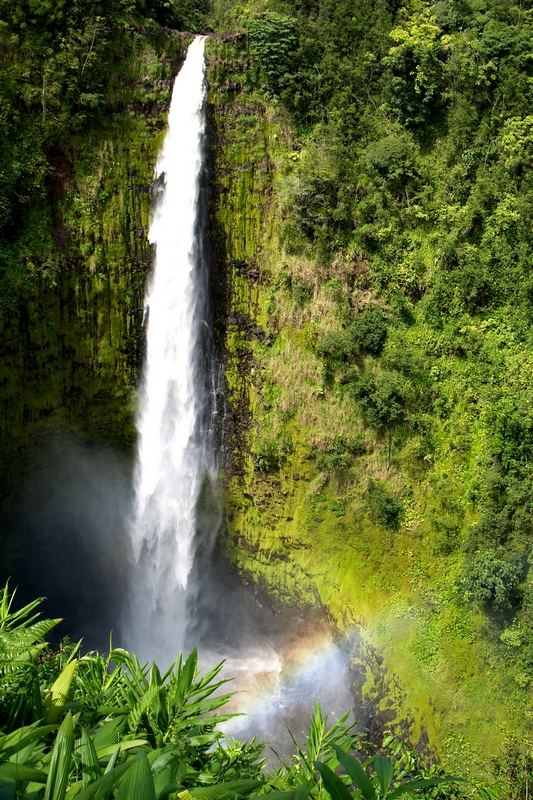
383,398
416,61
385,508
494,579
273,40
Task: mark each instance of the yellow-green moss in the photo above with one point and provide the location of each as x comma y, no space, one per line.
73,338
307,535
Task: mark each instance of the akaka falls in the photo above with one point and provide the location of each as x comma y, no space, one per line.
173,451
266,398
176,456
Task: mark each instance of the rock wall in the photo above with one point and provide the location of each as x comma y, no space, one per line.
300,460
72,327
72,335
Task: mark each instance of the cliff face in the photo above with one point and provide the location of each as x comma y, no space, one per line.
71,311
322,509
241,129
72,327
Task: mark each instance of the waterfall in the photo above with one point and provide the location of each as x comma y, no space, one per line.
179,595
173,451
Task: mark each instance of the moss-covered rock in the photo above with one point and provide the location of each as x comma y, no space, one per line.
72,323
71,313
325,507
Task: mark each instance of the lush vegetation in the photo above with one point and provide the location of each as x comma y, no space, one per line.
66,69
76,725
390,400
414,139
375,172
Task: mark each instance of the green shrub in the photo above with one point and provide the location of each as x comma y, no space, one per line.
493,579
383,507
318,194
337,347
416,62
272,454
273,40
367,333
382,398
369,330
337,455
392,159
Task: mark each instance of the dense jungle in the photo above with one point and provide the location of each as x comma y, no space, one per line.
369,201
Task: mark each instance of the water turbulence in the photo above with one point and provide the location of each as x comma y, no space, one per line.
173,450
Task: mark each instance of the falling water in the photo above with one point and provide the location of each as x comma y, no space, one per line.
173,457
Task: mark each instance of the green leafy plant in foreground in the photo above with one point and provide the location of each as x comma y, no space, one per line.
316,766
108,727
376,785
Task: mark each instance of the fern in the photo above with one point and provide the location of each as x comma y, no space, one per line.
22,646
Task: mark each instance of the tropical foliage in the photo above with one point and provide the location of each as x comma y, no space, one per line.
83,725
394,309
415,134
403,179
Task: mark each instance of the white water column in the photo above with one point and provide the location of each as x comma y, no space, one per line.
172,459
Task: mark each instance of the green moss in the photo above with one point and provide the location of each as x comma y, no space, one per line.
307,531
73,338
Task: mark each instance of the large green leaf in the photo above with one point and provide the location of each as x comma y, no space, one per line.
59,692
101,787
186,675
168,769
333,783
73,790
128,744
21,738
108,734
191,710
384,772
113,760
90,764
10,771
61,761
356,773
138,782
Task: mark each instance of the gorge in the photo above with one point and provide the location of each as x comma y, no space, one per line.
365,199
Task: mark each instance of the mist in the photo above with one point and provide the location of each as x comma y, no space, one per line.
70,514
